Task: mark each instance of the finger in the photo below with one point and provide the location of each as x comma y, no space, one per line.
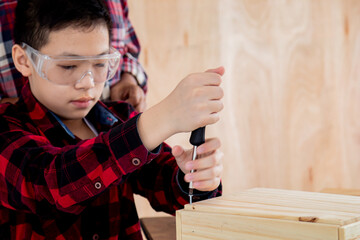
134,96
211,79
211,92
206,162
205,78
205,174
218,70
136,99
210,144
208,185
203,109
215,106
134,105
178,152
209,119
116,95
214,92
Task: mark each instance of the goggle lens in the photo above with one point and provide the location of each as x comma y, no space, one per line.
64,70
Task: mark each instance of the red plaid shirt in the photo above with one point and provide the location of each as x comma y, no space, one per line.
123,38
55,186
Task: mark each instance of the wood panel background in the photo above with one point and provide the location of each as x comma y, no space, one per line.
292,84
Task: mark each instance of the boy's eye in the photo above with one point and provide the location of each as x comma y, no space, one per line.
67,67
100,65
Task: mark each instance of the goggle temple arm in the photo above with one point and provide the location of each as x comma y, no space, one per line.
32,53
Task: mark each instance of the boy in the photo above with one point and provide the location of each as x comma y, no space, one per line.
130,81
69,165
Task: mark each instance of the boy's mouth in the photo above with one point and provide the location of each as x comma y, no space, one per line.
82,102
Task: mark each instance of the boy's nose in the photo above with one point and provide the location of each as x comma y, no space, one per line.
86,81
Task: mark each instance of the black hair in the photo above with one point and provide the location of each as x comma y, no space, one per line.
35,19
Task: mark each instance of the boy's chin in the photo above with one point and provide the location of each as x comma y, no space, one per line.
74,115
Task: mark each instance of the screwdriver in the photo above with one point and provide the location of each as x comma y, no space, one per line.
196,139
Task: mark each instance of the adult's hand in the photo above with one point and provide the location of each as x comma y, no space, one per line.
9,100
128,90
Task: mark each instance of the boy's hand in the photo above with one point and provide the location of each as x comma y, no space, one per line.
196,101
208,167
129,91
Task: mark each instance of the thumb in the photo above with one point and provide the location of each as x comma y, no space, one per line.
178,152
218,70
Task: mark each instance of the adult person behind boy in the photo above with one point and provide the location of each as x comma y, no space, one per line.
129,82
69,165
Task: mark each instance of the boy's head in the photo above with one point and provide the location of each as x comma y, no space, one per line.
63,47
35,19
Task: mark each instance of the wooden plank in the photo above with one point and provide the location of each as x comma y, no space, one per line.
353,192
159,228
285,204
350,232
178,226
294,198
202,225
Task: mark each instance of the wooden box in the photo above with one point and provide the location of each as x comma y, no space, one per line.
260,213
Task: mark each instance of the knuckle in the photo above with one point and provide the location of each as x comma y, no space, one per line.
196,92
221,93
216,78
192,78
201,122
214,161
213,182
221,106
215,118
213,172
220,170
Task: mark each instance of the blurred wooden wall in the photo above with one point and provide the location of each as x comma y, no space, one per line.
292,84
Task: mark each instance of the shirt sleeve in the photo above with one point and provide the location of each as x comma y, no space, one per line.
162,183
125,40
33,171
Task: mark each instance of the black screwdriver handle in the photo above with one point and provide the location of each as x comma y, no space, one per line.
197,136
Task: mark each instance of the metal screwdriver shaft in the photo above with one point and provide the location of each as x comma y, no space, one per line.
196,139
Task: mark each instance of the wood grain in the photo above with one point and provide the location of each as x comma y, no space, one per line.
272,214
292,90
205,226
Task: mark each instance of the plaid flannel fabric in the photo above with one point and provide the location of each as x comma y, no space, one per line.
54,185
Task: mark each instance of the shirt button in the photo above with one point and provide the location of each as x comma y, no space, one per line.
97,186
96,236
135,161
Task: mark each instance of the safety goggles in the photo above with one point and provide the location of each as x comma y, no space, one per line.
68,70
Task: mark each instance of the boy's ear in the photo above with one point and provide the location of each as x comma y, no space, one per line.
21,60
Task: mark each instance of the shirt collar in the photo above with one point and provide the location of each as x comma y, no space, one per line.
46,119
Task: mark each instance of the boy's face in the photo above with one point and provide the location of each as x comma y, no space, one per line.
72,101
